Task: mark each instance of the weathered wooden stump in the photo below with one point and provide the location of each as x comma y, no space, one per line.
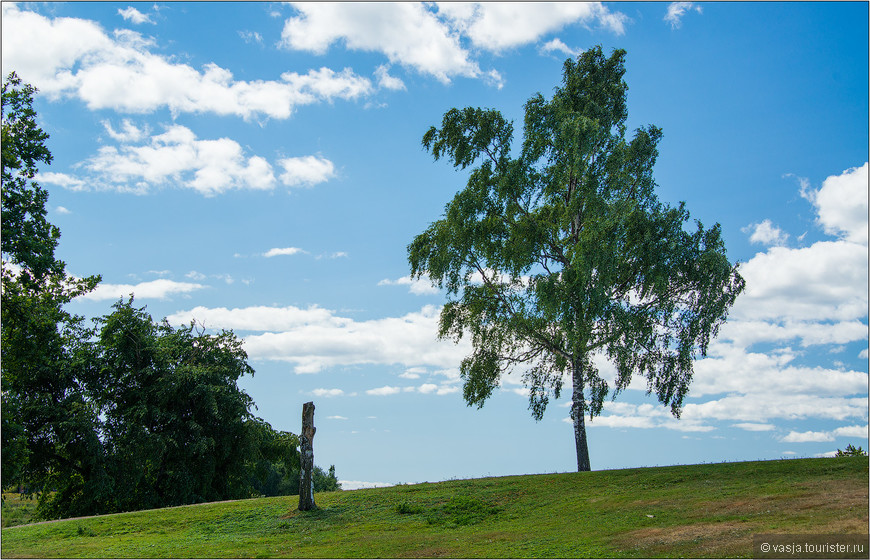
306,472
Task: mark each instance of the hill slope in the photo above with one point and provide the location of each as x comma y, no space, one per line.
697,511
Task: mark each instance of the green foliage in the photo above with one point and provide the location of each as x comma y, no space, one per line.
851,451
564,251
44,409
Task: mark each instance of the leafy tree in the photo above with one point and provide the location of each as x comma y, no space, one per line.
565,252
176,427
325,481
42,399
851,451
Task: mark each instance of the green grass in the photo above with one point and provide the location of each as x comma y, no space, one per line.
17,510
696,511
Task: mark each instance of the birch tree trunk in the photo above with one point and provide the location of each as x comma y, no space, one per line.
578,412
306,472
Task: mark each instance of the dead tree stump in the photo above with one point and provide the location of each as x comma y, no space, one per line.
306,472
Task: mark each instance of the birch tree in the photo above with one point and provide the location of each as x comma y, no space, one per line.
564,252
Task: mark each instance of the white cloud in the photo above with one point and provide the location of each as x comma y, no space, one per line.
383,391
306,171
556,45
418,286
676,11
155,289
386,81
412,373
429,39
755,426
736,370
178,158
327,392
64,180
766,233
63,210
261,318
841,204
359,484
426,388
133,15
128,133
251,37
855,431
825,281
336,417
626,415
744,333
76,58
851,431
316,338
283,251
496,26
804,437
407,33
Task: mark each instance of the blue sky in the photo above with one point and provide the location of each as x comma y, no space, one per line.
258,167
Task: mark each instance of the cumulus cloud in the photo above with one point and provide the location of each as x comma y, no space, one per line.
260,318
676,11
178,158
407,33
316,338
841,204
418,286
155,289
557,46
626,415
77,58
496,26
855,431
386,81
766,233
804,437
825,281
429,38
306,171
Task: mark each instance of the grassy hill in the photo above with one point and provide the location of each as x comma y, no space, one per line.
696,511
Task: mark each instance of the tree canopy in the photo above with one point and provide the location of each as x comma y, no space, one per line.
563,251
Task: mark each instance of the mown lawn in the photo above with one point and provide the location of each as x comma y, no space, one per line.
695,511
